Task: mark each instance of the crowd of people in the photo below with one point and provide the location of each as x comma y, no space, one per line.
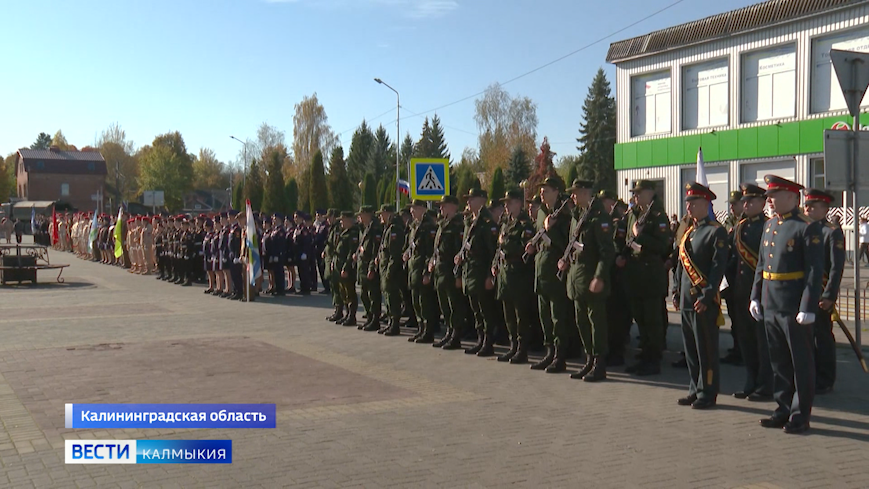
591,264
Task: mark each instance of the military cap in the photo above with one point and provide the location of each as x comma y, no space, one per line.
477,192
640,185
308,217
418,203
515,194
232,212
320,212
580,184
695,191
554,181
750,191
775,183
818,195
299,213
278,215
386,208
735,197
607,194
209,223
535,200
449,199
348,214
366,209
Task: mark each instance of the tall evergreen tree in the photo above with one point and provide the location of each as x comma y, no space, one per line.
274,199
437,141
369,190
319,194
253,188
519,167
496,189
598,133
424,147
341,188
238,195
378,156
291,194
43,141
406,155
360,149
572,173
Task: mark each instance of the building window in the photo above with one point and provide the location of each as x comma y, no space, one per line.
650,104
819,176
64,189
91,166
705,95
826,93
769,84
40,165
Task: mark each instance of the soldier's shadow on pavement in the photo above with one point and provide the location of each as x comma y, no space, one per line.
765,410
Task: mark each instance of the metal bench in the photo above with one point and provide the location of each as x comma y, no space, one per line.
19,263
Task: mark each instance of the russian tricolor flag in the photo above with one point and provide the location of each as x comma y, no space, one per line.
404,187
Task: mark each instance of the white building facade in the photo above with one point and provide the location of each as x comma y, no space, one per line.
754,88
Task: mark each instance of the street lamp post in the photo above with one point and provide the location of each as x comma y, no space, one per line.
397,139
244,163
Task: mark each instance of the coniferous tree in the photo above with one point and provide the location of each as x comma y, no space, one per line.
423,147
572,174
238,195
360,149
319,194
341,188
519,167
438,145
406,155
496,189
253,188
598,133
378,156
369,190
274,199
291,194
43,141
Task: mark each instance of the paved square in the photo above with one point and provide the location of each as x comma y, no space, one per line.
360,410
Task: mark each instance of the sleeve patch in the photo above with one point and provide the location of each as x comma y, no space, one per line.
816,240
662,225
604,225
840,245
721,243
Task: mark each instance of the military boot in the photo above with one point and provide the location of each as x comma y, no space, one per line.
373,325
488,349
443,341
335,314
478,346
546,360
521,355
599,372
514,347
559,363
589,365
428,333
393,329
350,320
455,342
345,314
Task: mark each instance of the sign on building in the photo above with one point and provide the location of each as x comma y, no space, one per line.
154,198
650,104
705,94
769,84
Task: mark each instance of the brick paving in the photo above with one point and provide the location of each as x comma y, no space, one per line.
362,410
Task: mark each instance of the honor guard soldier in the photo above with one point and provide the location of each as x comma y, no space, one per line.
334,216
198,239
647,241
785,296
514,278
208,256
586,262
391,268
304,246
474,262
556,311
346,267
236,270
368,275
744,248
322,229
734,215
448,243
418,255
619,316
269,255
817,205
159,245
703,254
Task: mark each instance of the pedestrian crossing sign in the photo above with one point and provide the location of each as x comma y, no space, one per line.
430,178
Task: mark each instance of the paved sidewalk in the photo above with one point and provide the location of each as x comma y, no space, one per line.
362,410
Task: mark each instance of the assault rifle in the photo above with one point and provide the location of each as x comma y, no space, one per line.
573,241
535,240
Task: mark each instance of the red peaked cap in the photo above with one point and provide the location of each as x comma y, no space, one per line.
817,195
694,190
775,183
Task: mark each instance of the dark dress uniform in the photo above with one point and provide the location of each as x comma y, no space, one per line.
369,244
453,305
391,269
425,306
744,248
834,266
479,243
514,280
592,257
322,230
703,254
303,241
236,270
346,267
646,279
787,287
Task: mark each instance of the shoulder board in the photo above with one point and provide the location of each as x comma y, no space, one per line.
831,225
806,218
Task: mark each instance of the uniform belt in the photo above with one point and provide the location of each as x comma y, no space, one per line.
783,276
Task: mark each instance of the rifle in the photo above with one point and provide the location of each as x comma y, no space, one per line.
466,244
542,232
574,236
641,223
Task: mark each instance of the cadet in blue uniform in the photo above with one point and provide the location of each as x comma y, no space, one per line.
703,253
321,234
744,248
817,205
787,288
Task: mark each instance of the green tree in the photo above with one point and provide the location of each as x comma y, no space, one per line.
319,196
208,171
519,167
7,177
274,199
360,149
572,174
423,147
406,155
496,190
466,179
166,165
253,187
60,141
291,193
378,155
43,141
598,133
504,122
238,196
369,190
340,186
437,141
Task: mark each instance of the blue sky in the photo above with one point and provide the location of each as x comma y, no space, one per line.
211,69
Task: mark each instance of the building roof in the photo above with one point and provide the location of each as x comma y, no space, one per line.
64,162
753,17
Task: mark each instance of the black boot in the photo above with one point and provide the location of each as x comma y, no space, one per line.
488,349
521,355
559,363
335,314
443,341
427,335
373,325
420,331
514,347
589,365
344,315
350,320
478,346
393,329
545,361
599,372
455,342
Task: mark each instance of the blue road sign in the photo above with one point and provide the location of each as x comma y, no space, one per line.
429,178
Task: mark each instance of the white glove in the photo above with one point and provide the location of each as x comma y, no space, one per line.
636,247
755,310
304,257
805,318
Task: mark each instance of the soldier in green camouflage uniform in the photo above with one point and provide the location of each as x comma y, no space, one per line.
514,277
406,297
345,266
333,216
422,235
588,276
448,241
556,310
368,274
391,267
